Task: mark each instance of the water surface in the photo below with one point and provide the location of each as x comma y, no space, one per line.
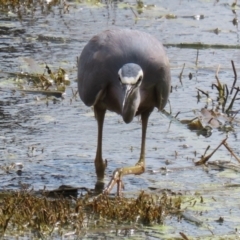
56,140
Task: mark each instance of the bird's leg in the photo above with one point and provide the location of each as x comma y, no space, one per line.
100,165
139,168
141,162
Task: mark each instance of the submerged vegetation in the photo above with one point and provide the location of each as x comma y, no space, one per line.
22,8
219,112
50,83
22,211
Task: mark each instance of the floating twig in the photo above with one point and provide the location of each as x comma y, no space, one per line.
196,63
219,86
205,93
235,76
205,159
231,151
226,97
180,76
234,98
183,235
177,114
136,16
206,150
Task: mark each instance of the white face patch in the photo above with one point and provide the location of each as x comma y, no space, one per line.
130,80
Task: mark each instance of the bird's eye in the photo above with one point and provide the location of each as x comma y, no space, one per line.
120,80
139,80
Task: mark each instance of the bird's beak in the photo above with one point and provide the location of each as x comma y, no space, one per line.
130,102
127,89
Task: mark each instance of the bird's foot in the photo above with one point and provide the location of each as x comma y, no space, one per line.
139,168
116,179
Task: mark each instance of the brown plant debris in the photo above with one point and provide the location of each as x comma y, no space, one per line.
50,83
223,93
146,208
183,235
23,8
204,158
23,211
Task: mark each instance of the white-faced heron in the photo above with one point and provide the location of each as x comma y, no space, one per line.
127,72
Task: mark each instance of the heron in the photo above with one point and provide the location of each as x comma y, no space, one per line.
127,72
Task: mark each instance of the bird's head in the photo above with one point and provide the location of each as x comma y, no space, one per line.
130,78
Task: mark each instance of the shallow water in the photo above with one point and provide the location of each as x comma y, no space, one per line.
56,140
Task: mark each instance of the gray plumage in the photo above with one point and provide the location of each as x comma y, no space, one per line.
127,72
107,52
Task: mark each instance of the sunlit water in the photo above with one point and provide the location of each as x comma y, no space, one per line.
56,141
